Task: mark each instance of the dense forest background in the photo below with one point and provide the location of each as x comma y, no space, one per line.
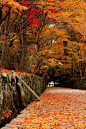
37,36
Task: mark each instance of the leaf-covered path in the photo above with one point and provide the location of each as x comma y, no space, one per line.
59,108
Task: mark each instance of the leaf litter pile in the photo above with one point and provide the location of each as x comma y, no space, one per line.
55,110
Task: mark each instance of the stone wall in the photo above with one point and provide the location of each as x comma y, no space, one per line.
14,96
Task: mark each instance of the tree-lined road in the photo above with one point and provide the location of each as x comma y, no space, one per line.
59,108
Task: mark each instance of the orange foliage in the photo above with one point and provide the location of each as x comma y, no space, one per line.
12,4
6,114
10,71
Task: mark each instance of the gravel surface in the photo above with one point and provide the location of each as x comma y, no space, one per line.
58,90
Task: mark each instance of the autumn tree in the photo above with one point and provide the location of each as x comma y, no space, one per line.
16,27
70,20
46,28
10,11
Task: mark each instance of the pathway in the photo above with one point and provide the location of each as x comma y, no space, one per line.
59,108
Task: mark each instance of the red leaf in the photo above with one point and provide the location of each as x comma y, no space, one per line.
35,32
31,50
54,11
53,19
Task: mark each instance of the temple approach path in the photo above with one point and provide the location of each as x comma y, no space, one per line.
59,108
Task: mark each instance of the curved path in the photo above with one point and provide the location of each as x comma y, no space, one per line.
59,108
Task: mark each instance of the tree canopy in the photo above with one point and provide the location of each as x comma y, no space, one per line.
38,34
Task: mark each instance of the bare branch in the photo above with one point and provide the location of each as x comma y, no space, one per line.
5,16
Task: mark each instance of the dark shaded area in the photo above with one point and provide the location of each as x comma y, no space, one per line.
64,78
0,14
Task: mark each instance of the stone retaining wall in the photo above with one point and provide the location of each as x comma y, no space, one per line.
14,96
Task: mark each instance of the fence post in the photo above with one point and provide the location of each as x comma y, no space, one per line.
19,94
27,86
